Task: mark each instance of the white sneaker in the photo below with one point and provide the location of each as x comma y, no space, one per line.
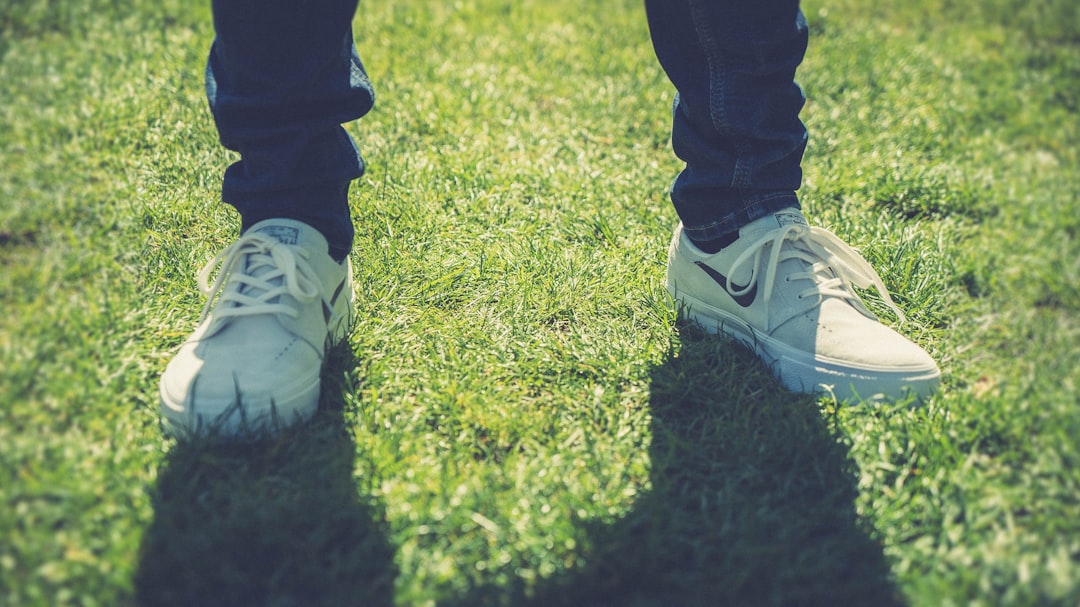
784,289
254,363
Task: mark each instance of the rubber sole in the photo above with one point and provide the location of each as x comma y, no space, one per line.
805,372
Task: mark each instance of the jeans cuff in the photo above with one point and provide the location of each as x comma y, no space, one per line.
750,207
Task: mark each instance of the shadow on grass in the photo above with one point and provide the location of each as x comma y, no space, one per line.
751,503
752,500
275,523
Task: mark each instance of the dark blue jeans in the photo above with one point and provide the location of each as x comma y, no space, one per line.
736,117
283,76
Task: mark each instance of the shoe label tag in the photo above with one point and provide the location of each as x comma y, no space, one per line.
787,219
283,234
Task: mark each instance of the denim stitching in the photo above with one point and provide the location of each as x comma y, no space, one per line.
741,173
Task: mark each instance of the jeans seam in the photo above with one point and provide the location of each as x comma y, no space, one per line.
741,172
709,46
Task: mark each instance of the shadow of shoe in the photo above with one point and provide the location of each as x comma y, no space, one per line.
277,522
751,501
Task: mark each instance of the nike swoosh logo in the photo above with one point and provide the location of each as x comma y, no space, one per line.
328,310
745,300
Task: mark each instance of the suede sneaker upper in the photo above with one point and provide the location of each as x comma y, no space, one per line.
255,360
785,289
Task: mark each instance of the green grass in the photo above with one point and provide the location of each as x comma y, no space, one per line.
518,418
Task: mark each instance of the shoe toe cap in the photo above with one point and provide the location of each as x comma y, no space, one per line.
228,386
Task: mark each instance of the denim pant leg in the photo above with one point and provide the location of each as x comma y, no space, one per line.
281,79
736,122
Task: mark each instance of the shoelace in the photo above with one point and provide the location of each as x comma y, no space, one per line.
833,266
267,270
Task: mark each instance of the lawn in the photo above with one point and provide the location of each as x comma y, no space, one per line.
519,417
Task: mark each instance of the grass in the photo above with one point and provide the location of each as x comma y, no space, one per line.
518,417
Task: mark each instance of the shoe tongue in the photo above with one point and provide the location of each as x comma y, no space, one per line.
773,221
292,233
285,234
758,228
288,232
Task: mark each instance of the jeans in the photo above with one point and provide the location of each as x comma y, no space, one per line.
283,76
736,116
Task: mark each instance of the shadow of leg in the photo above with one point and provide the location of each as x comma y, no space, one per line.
752,500
279,522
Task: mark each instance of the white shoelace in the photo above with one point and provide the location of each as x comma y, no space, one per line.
833,265
267,269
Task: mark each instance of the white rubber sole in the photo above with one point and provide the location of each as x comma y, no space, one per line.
243,415
806,372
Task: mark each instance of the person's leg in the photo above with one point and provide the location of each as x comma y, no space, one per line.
281,79
744,261
736,116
